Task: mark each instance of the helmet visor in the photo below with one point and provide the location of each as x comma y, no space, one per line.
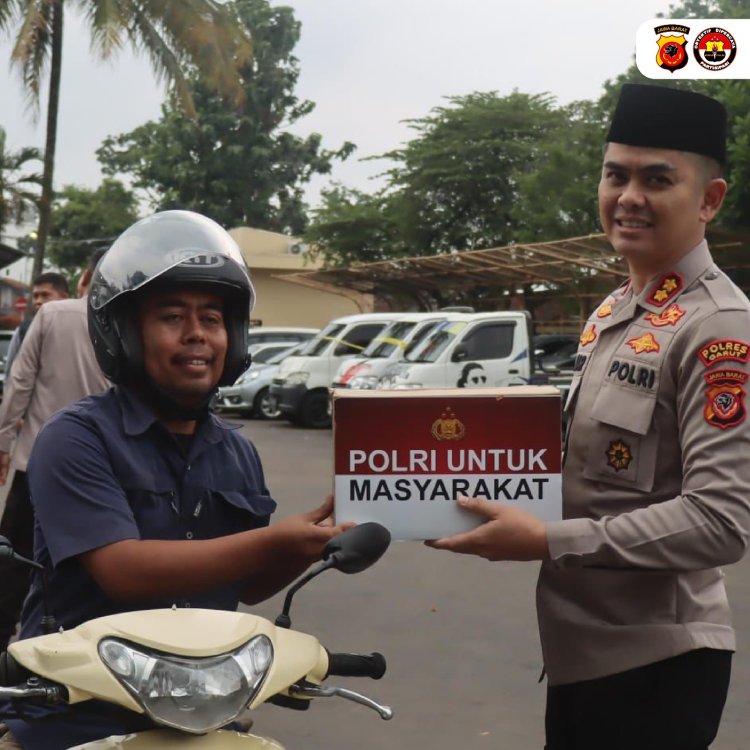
156,244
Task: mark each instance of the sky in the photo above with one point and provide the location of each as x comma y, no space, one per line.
368,65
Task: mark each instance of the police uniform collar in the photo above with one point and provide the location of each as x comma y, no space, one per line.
665,289
137,417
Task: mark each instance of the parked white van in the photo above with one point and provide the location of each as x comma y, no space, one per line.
301,385
364,371
473,351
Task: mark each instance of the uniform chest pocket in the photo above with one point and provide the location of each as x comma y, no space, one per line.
622,445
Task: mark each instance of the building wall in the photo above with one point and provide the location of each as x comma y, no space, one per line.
283,303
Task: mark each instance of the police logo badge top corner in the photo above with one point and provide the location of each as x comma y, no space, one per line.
693,48
714,48
671,41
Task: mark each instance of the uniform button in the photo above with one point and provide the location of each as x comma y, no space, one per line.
189,535
711,275
188,467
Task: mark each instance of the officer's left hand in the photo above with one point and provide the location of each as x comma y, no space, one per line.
508,534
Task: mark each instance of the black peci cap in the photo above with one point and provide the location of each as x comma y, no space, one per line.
660,117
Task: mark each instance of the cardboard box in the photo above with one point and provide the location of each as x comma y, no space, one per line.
402,458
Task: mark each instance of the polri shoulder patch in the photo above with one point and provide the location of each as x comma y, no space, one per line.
723,350
725,405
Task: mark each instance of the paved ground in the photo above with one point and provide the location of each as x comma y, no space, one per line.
459,635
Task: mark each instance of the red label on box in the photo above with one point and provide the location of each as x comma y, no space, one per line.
403,458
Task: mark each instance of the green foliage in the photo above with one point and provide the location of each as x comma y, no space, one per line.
236,165
487,170
481,172
17,194
362,228
85,219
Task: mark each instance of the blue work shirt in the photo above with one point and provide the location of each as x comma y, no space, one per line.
104,470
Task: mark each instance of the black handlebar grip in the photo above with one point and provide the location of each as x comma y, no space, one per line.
11,672
356,665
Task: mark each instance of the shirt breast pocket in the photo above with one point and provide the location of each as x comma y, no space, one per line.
622,446
231,511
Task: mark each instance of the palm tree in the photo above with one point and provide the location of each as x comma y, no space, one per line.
17,195
178,36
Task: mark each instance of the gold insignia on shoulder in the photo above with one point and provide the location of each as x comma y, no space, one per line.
448,427
604,311
666,288
588,335
668,317
618,455
646,343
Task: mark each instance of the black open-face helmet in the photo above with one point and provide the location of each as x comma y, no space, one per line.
168,249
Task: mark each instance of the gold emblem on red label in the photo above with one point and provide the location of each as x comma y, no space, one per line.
588,335
668,317
644,344
448,427
619,455
604,311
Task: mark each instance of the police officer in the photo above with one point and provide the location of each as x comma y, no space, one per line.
143,498
633,615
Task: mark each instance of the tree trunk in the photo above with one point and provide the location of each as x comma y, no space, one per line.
45,201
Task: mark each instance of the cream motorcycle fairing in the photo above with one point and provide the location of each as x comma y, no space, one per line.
71,658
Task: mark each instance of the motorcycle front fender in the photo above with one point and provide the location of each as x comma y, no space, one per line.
166,739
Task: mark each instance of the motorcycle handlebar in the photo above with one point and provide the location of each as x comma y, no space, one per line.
356,665
11,672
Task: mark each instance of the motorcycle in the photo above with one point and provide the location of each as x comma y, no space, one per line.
194,671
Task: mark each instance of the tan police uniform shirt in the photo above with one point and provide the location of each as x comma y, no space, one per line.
656,478
55,367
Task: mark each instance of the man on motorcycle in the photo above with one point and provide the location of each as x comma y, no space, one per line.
143,498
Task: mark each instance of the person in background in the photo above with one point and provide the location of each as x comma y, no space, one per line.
55,367
633,615
46,287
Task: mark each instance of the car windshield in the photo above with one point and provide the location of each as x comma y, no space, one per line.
315,347
436,343
279,356
389,340
421,334
268,352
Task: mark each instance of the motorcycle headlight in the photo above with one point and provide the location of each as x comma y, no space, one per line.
193,694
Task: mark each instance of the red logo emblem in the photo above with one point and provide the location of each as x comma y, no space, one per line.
726,404
672,54
714,48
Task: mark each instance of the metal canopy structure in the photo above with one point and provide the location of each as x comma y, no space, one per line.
9,255
581,267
